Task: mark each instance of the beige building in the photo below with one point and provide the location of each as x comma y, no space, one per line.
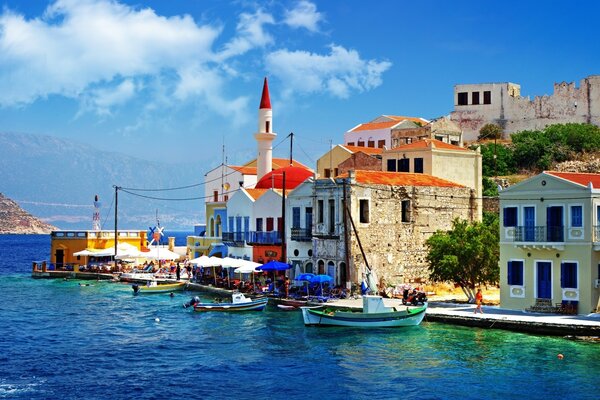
442,160
501,103
550,243
328,164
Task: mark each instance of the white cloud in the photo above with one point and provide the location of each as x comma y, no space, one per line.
338,73
304,15
78,43
250,34
103,99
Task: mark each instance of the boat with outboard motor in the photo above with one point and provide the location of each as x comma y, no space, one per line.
374,314
239,302
154,287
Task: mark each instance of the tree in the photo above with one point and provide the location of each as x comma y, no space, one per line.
467,255
490,131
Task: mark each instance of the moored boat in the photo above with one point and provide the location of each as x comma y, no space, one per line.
239,302
154,287
374,314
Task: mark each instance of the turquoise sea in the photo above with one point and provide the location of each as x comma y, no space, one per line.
60,340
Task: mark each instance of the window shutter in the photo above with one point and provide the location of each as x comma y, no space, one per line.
563,272
510,272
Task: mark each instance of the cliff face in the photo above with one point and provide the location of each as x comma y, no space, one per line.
13,219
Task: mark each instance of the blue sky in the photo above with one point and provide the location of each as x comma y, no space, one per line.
176,79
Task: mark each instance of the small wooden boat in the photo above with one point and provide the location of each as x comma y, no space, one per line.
374,314
287,302
239,303
154,287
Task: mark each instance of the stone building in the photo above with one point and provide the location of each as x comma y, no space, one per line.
442,129
328,165
501,103
393,213
442,160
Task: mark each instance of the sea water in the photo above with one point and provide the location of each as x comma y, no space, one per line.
63,340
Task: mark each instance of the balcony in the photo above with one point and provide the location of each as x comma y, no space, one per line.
301,234
264,238
235,239
552,237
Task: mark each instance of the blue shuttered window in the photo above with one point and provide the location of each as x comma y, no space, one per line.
510,216
576,216
568,275
515,273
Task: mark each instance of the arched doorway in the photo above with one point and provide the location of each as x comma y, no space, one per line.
321,267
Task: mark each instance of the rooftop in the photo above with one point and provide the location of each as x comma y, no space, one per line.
427,143
400,179
583,179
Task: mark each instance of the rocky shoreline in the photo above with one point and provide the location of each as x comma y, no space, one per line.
15,220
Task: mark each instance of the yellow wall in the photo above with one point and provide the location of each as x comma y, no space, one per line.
332,159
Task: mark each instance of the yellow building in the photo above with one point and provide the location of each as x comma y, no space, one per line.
328,163
65,243
550,243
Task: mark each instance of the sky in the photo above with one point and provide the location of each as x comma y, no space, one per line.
177,80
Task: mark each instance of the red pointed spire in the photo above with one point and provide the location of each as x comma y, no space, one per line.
265,101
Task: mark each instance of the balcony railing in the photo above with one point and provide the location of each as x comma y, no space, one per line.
302,234
272,237
539,234
236,239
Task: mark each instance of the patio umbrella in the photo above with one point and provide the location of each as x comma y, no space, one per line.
274,266
205,261
306,277
320,279
247,267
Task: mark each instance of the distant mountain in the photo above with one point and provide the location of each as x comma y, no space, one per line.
57,180
13,219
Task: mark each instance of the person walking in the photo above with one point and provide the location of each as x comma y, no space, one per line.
478,301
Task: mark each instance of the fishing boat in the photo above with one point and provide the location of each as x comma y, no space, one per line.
154,287
287,303
374,314
239,302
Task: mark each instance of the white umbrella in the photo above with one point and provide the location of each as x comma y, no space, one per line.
205,261
157,253
247,267
85,252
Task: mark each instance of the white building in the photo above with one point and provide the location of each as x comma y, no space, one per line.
378,132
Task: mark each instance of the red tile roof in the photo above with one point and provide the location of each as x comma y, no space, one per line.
256,193
244,170
366,150
387,124
424,143
400,179
578,178
278,163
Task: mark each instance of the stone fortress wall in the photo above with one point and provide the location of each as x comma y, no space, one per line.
501,103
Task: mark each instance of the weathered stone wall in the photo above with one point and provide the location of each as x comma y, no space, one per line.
396,250
360,161
515,113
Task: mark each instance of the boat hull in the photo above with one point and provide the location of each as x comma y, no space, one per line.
255,305
166,288
327,317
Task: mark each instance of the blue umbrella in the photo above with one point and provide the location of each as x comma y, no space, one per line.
274,266
307,277
320,279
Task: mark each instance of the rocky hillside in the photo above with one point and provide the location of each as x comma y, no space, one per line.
13,219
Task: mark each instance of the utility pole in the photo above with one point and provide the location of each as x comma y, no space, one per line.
346,239
116,221
283,232
291,147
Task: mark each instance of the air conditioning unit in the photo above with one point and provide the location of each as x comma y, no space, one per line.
597,283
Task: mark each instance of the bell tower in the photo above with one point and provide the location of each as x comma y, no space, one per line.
265,135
